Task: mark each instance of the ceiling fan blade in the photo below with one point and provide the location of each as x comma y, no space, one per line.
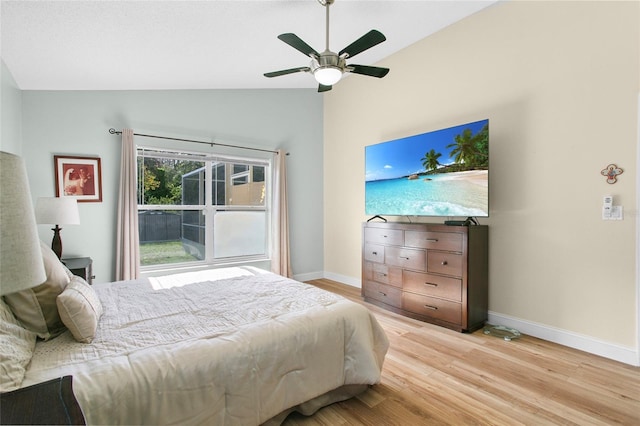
297,43
323,88
285,72
365,42
368,70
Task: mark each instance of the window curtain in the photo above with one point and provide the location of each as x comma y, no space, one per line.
127,248
280,259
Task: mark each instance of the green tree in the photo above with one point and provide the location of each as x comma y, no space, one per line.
150,182
161,179
430,160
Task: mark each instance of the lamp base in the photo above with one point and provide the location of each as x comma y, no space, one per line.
56,243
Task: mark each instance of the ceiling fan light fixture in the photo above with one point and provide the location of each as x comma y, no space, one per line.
327,67
328,76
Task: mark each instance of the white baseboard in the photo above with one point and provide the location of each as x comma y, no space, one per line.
308,276
581,342
354,282
568,338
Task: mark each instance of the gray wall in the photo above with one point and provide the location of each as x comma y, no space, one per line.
77,123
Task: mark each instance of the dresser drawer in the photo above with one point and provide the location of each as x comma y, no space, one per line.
432,285
406,258
432,307
374,253
393,237
447,241
384,293
386,274
444,263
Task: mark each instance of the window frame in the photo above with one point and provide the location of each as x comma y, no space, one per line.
209,209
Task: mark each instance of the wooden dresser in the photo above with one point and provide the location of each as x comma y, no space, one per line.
431,272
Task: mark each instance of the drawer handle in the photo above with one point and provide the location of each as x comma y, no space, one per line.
382,274
403,257
432,240
431,284
375,253
433,308
384,294
444,263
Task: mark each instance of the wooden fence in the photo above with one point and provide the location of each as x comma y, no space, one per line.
157,226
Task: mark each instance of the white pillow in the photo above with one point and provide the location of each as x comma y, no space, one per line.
80,309
16,349
36,307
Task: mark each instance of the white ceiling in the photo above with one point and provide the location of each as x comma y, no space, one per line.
180,44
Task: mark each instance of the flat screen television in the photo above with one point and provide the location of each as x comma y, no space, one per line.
439,173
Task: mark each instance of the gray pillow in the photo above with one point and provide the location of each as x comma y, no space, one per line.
36,307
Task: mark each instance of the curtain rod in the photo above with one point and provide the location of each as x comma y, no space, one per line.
116,132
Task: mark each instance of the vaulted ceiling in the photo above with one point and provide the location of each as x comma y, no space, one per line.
177,44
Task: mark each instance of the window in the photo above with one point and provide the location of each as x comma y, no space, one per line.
201,208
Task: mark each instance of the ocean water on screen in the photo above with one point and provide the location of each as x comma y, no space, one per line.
447,194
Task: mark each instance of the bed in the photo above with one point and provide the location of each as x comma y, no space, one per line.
234,346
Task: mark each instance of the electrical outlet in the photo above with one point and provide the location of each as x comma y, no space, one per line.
616,213
613,213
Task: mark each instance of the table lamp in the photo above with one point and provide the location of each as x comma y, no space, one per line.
21,265
57,211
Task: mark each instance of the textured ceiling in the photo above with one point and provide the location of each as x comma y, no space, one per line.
135,45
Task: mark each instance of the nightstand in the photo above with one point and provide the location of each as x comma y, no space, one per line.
46,403
80,266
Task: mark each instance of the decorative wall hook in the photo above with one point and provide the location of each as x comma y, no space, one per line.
611,172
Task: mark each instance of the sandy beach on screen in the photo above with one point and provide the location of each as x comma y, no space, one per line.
478,177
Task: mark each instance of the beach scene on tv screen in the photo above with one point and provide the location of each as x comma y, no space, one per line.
440,173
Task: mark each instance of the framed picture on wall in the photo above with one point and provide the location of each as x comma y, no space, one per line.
78,177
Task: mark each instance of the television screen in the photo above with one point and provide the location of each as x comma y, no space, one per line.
439,173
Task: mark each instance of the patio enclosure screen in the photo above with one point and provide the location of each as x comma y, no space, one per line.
199,208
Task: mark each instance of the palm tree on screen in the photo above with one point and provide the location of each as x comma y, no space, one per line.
463,148
430,160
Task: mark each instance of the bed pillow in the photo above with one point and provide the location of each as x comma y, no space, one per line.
67,271
36,307
80,309
16,349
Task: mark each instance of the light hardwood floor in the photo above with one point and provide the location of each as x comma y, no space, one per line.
432,375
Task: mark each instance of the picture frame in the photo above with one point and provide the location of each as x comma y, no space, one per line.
78,177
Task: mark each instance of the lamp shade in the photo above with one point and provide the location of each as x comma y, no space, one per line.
327,76
21,265
57,211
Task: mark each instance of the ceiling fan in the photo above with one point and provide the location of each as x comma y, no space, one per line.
327,67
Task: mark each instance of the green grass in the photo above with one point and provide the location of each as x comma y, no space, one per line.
165,252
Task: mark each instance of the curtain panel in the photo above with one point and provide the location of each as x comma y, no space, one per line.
127,240
280,252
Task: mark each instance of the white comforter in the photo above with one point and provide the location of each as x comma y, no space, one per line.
237,350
